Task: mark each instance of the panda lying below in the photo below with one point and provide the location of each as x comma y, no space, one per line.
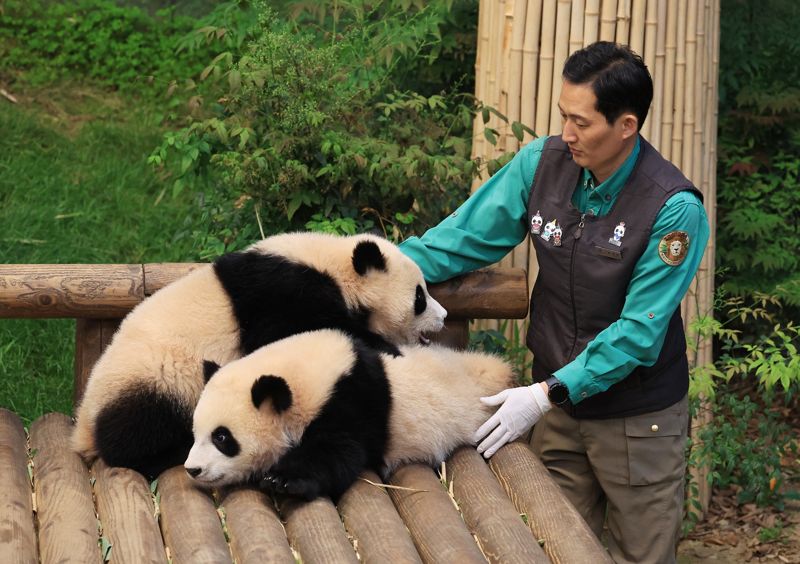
306,414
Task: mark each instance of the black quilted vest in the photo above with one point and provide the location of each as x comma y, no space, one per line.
581,286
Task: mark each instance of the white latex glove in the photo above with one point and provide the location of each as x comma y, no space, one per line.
522,407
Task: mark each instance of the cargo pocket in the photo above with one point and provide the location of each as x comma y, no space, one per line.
656,444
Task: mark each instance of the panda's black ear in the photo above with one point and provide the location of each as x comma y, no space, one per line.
368,255
273,387
209,369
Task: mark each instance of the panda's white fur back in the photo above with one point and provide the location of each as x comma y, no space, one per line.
152,345
435,400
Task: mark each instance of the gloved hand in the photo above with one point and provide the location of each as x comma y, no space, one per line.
522,407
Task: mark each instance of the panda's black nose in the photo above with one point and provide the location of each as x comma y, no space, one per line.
193,472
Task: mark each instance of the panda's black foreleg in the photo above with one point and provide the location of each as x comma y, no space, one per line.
325,465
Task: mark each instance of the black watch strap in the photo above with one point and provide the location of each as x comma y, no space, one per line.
557,391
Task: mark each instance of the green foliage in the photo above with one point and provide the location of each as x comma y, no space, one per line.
743,446
43,41
313,129
767,353
513,348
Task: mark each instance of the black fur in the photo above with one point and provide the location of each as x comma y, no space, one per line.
368,255
273,298
209,369
224,441
124,431
349,434
271,387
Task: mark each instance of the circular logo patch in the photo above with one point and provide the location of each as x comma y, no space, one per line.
673,247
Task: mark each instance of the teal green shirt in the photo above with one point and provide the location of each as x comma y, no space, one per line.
494,220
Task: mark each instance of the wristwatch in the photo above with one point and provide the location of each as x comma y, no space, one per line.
557,391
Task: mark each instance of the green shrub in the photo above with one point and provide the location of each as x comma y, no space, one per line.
312,130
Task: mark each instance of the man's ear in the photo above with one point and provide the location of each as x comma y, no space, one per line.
630,125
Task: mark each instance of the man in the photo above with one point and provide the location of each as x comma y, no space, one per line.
605,327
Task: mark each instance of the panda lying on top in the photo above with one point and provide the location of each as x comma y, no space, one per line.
137,408
307,414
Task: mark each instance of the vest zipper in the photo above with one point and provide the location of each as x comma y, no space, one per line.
577,236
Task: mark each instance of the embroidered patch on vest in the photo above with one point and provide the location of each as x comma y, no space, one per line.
673,247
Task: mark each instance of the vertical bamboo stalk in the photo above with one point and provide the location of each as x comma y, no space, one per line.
481,83
623,22
560,56
591,25
576,26
668,111
637,35
530,65
689,95
514,75
654,59
701,70
608,20
680,86
543,101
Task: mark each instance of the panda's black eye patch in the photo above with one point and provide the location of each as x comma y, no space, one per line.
223,439
420,301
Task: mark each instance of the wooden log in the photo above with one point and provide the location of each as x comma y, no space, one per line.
254,527
316,531
536,495
67,522
158,275
431,517
127,515
370,517
190,525
17,531
80,291
489,514
92,336
69,290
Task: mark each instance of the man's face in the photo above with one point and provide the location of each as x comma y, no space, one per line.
594,143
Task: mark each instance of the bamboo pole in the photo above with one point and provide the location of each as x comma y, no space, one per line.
561,51
608,20
637,35
591,22
667,117
680,86
516,54
530,66
543,101
481,84
576,26
654,36
689,96
701,69
623,22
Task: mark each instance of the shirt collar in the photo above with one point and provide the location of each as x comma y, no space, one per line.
614,183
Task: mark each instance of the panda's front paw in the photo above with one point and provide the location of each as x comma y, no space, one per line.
299,487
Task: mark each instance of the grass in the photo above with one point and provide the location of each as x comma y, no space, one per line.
75,187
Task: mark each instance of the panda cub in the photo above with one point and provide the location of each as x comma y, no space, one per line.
307,414
137,408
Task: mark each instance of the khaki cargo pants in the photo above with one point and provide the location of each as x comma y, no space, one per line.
627,472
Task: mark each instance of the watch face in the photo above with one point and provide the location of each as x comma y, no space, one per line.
558,393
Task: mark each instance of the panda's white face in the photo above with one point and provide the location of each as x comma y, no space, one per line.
247,418
401,309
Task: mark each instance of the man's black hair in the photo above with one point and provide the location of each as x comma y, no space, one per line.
618,76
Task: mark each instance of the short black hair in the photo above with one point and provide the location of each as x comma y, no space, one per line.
618,76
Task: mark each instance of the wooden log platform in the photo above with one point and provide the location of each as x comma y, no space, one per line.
56,509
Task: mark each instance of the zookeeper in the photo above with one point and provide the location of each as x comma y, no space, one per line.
619,233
